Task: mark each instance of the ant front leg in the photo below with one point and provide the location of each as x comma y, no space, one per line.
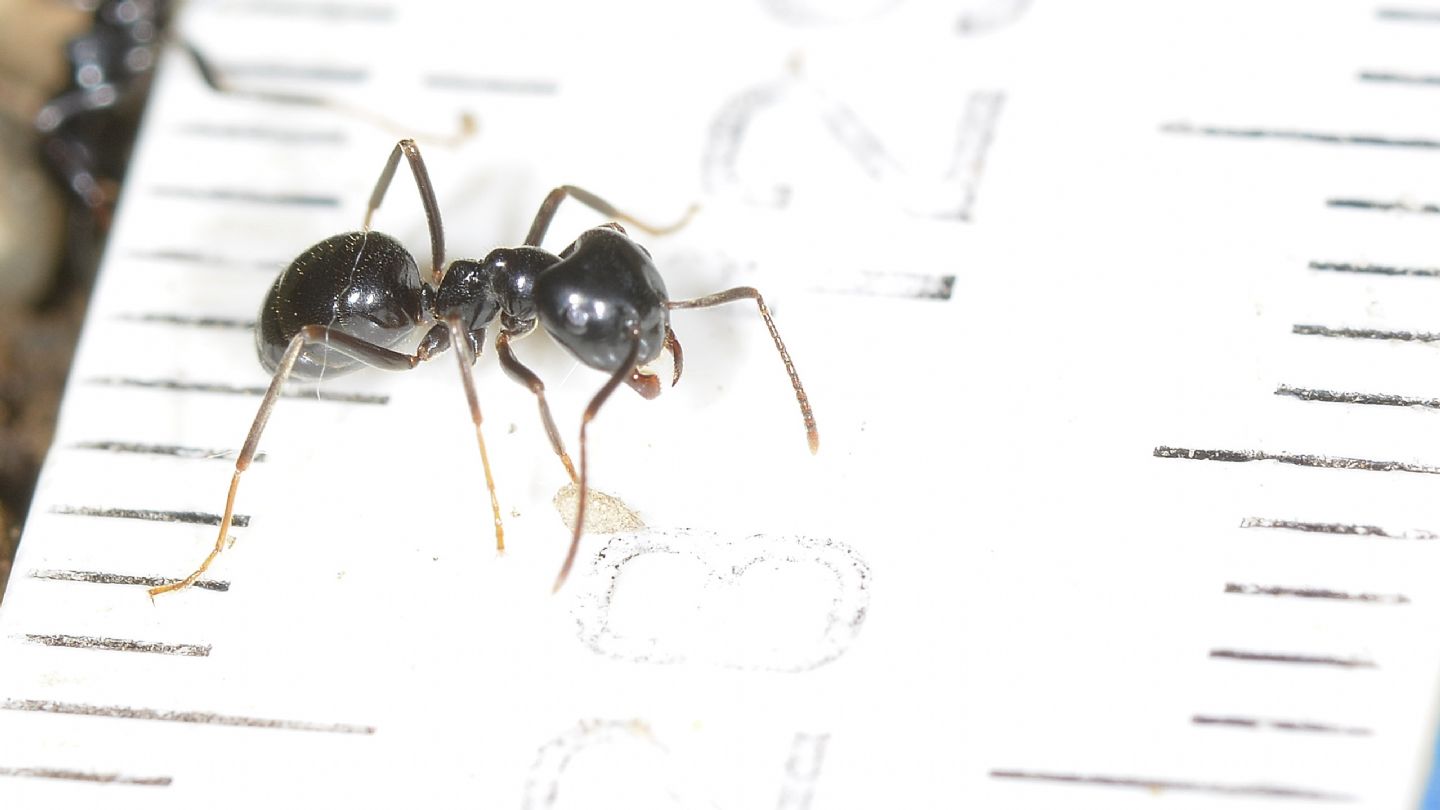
812,434
552,202
603,394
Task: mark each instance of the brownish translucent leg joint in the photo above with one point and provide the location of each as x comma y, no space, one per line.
645,384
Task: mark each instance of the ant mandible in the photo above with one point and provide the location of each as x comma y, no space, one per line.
351,300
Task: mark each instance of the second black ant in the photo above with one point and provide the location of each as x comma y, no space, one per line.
354,299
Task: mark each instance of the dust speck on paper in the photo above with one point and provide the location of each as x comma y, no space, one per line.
604,514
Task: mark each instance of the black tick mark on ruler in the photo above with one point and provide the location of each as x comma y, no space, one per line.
119,645
1396,77
1363,334
291,137
1303,726
86,776
232,195
198,321
158,515
1298,459
102,578
1256,790
175,450
1375,269
1316,593
246,391
179,256
165,715
1354,398
1337,138
1352,529
1303,659
1383,205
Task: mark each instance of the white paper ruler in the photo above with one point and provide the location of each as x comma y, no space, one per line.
1118,318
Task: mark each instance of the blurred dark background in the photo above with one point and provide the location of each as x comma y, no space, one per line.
73,80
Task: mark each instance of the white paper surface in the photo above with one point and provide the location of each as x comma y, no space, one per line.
1030,260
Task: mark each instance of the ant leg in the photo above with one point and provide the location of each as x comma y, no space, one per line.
368,353
603,394
242,463
427,200
519,373
725,297
466,355
217,83
557,196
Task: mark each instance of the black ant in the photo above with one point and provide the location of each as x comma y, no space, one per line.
350,300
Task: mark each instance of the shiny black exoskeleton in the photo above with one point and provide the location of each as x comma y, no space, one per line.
358,299
589,298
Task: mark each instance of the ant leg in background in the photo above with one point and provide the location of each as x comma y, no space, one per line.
736,294
552,201
603,394
427,201
218,84
519,373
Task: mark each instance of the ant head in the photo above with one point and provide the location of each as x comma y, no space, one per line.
602,291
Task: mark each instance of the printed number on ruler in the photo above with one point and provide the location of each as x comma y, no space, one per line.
631,749
740,157
727,630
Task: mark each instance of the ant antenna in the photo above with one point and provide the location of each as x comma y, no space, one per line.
812,434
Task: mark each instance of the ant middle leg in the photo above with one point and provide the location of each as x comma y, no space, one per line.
465,354
812,434
519,373
552,202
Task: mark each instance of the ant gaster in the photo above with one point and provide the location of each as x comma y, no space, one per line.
352,300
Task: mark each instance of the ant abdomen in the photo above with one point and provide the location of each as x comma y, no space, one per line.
376,296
